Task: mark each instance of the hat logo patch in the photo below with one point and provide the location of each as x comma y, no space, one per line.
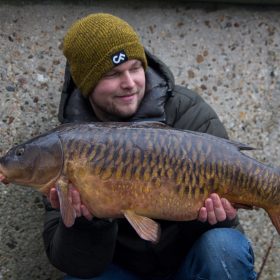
119,57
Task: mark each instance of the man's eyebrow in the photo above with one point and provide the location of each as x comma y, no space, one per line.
136,63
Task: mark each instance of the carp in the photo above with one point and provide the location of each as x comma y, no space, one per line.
141,172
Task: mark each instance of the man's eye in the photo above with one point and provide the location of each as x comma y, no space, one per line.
111,74
136,68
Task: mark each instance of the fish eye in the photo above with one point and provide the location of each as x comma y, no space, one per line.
20,152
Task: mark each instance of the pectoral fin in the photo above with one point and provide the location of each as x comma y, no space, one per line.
67,211
146,228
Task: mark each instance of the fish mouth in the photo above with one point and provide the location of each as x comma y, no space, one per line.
3,178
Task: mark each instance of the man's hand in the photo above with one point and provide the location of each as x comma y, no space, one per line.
75,199
216,209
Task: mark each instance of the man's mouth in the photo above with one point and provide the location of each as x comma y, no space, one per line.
127,94
126,97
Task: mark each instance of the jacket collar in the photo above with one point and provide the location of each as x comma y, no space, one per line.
159,83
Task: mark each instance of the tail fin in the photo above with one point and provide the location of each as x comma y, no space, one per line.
274,214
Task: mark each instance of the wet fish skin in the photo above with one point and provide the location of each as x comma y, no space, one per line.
36,163
143,170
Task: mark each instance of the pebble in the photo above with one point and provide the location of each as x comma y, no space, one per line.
41,78
10,88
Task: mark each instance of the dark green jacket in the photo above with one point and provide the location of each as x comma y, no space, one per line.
86,249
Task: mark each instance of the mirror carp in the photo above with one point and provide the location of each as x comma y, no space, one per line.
141,171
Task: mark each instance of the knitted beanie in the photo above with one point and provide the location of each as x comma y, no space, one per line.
95,44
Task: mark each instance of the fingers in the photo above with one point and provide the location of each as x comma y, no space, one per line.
231,212
81,210
75,200
86,213
202,215
216,210
217,213
53,198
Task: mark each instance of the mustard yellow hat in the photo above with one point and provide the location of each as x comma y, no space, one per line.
95,44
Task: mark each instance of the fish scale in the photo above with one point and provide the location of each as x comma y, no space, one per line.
141,171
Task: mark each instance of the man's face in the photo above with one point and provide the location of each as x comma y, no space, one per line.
118,94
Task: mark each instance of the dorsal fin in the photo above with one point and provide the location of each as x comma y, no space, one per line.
241,146
149,124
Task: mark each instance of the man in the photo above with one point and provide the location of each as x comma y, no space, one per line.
110,77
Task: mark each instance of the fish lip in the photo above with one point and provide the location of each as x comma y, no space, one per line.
5,182
3,179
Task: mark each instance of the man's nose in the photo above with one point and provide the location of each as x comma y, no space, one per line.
127,80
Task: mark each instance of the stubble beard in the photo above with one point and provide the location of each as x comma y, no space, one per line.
113,113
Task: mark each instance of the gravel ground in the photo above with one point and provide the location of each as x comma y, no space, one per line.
228,54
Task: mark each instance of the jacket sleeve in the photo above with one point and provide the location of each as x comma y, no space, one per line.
83,250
